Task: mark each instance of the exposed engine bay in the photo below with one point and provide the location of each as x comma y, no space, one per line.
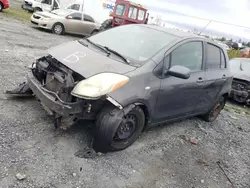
241,91
58,81
56,78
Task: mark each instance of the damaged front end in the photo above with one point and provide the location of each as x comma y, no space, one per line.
241,91
52,84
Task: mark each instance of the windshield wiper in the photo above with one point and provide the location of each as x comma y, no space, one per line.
98,46
241,66
116,53
84,44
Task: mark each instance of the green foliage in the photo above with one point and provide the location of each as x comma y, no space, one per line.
18,14
234,53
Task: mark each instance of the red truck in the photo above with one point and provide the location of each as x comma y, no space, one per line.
4,4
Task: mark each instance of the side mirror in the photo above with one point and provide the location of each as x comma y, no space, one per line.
69,17
179,72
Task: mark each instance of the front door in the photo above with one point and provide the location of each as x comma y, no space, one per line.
178,97
74,24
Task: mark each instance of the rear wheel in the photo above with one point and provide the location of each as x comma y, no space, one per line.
58,28
116,131
1,7
215,111
107,24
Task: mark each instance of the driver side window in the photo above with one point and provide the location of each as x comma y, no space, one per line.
189,55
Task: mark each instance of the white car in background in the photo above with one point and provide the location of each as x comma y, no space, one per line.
66,21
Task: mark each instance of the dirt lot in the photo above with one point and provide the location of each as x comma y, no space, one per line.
162,156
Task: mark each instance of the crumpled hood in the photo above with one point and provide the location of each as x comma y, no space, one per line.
241,75
85,61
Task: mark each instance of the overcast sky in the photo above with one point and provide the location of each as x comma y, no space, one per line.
230,11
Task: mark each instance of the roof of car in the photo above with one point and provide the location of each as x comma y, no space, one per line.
175,32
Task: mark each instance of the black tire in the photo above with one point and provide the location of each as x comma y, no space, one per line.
110,133
58,29
1,7
215,111
37,9
107,24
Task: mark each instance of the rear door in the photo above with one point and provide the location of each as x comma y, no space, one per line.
216,74
88,25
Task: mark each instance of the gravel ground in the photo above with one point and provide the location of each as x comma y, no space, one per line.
162,157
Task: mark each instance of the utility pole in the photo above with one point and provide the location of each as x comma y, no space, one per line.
205,26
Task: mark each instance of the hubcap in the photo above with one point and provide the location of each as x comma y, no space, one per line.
58,29
126,128
1,6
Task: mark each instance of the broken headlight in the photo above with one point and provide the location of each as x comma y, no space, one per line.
99,85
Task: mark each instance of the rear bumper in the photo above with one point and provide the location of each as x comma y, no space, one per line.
50,102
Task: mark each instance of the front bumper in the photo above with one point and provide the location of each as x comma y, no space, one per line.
50,102
41,23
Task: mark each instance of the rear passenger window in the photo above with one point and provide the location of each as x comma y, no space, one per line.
76,16
88,18
189,55
215,58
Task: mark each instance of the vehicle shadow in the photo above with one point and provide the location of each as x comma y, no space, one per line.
50,32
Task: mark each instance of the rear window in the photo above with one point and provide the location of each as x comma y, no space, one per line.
88,18
215,58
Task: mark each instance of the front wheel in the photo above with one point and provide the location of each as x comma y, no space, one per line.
58,29
215,111
116,131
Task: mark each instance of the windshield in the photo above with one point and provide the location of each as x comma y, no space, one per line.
61,12
136,42
240,65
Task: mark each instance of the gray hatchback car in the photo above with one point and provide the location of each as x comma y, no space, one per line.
129,78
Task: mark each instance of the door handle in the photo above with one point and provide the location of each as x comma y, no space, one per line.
200,80
224,77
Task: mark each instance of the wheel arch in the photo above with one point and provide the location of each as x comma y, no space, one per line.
145,111
38,8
